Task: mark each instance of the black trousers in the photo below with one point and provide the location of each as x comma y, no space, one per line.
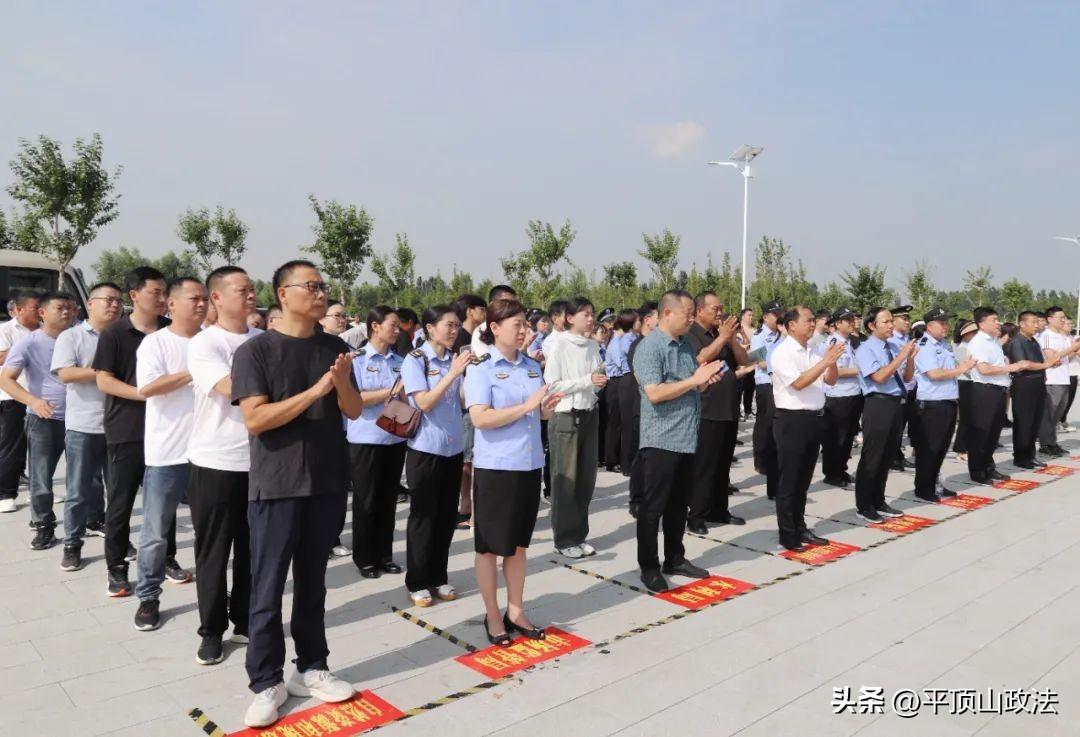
434,484
882,420
375,472
12,446
300,532
764,444
712,471
1028,405
984,428
666,480
910,422
936,422
218,502
124,468
629,413
747,393
798,436
1072,396
601,436
842,416
963,412
614,432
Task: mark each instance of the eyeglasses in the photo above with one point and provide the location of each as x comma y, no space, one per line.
311,286
108,300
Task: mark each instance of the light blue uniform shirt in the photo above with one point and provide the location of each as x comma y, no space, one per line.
934,354
985,349
537,344
769,339
440,432
896,342
847,386
373,371
615,363
870,358
500,383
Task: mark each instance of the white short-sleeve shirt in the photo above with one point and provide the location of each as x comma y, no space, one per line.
1059,373
168,416
789,361
219,438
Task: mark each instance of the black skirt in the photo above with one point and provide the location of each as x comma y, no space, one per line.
505,505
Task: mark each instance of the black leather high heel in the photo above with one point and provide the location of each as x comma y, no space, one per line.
532,634
501,640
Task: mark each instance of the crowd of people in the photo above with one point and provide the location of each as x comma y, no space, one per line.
265,424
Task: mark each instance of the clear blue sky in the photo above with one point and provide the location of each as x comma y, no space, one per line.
893,132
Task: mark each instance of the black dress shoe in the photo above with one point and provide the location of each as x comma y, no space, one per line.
897,466
809,538
729,519
848,477
698,528
836,481
390,566
1038,463
947,493
739,442
653,580
934,499
997,475
370,572
1025,464
633,510
732,489
981,480
686,568
794,547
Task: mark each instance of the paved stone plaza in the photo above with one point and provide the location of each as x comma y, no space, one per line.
984,599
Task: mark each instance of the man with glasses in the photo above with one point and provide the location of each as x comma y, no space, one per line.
293,384
84,428
44,400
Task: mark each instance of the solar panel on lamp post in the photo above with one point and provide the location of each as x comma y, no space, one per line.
740,160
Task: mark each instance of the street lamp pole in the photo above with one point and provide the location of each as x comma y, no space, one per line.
1076,240
740,160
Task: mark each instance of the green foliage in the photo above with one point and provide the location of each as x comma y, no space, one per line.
397,271
1015,296
920,289
662,253
342,241
7,236
978,286
64,204
532,271
777,276
866,288
114,265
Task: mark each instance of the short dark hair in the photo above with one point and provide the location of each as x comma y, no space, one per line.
1027,313
498,289
871,315
433,314
791,314
275,307
957,328
647,308
136,278
497,311
981,313
1009,329
673,295
52,296
558,307
407,314
1053,310
822,313
104,285
467,302
221,272
180,281
24,296
700,299
332,303
284,271
577,304
378,315
626,319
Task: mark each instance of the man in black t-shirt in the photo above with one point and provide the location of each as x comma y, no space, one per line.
292,385
719,415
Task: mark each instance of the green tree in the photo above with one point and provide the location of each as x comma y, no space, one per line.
662,253
920,288
1016,296
978,285
342,241
777,276
218,235
7,236
114,265
64,204
396,271
866,288
622,277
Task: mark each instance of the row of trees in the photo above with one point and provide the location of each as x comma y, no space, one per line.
62,204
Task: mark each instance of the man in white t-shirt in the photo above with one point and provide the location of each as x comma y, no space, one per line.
218,452
161,375
1055,338
23,310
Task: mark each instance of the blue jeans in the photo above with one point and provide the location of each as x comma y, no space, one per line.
85,500
163,488
45,439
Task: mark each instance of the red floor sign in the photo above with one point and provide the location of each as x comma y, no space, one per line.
903,525
819,554
1056,470
965,501
495,661
360,713
1016,485
705,591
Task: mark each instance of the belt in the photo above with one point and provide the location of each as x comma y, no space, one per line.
921,402
890,397
995,387
812,412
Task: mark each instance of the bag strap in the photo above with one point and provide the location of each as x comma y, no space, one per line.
395,389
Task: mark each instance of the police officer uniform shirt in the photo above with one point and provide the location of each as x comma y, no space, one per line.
935,354
897,342
984,348
790,360
373,371
440,432
872,356
498,383
845,386
767,339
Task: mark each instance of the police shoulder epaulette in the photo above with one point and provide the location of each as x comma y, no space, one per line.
922,340
758,331
479,359
360,352
416,353
530,359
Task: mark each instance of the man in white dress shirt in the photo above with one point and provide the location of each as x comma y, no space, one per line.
799,377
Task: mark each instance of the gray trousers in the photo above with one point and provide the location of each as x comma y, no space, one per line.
573,441
1057,396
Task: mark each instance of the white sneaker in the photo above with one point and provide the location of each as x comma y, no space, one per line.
587,549
574,551
446,592
421,597
340,551
1066,427
238,638
263,710
322,684
7,505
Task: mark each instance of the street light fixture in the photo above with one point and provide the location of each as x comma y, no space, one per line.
740,160
1073,239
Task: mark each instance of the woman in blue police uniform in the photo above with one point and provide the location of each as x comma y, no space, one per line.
375,456
432,378
506,398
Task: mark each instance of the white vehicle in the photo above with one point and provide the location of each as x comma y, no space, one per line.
24,270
